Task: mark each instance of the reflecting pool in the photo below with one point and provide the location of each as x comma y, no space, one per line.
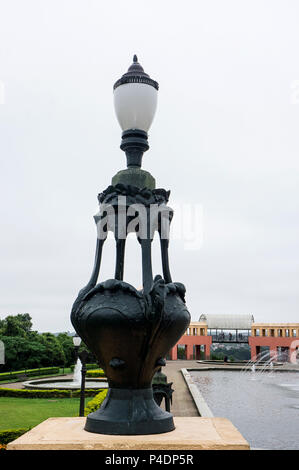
265,408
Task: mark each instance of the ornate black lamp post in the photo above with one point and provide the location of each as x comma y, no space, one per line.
83,356
130,331
76,342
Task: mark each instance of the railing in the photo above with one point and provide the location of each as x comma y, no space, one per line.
230,338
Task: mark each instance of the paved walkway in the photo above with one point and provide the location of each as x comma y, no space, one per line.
182,401
12,385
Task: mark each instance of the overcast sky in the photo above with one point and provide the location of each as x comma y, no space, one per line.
225,140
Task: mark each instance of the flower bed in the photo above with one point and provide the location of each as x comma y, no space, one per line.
95,373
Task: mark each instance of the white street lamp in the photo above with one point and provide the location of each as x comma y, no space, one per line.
135,98
135,103
76,341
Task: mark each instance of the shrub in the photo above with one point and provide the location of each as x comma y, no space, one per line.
95,373
54,393
90,392
95,403
29,373
217,356
88,366
24,393
9,435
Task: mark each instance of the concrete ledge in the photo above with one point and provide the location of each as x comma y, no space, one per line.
191,433
200,403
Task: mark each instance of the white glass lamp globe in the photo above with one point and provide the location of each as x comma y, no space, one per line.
76,341
135,105
135,99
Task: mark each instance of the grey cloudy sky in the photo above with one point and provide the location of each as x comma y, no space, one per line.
225,138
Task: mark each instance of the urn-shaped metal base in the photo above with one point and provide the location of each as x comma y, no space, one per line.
131,331
129,412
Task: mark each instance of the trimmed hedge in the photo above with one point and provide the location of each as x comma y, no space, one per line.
95,373
88,366
90,392
9,435
54,393
29,373
95,403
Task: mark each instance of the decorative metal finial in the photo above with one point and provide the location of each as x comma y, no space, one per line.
136,74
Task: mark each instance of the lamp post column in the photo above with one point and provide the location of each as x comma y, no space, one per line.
83,356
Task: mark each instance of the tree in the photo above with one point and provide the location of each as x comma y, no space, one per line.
21,353
27,349
16,325
66,342
55,352
24,348
1,326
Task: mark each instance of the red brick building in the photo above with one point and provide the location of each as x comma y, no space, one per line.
281,340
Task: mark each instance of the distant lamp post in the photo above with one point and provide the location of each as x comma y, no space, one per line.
76,342
83,357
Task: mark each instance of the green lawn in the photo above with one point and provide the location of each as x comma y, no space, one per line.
28,412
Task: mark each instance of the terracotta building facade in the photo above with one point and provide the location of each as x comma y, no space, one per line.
279,341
